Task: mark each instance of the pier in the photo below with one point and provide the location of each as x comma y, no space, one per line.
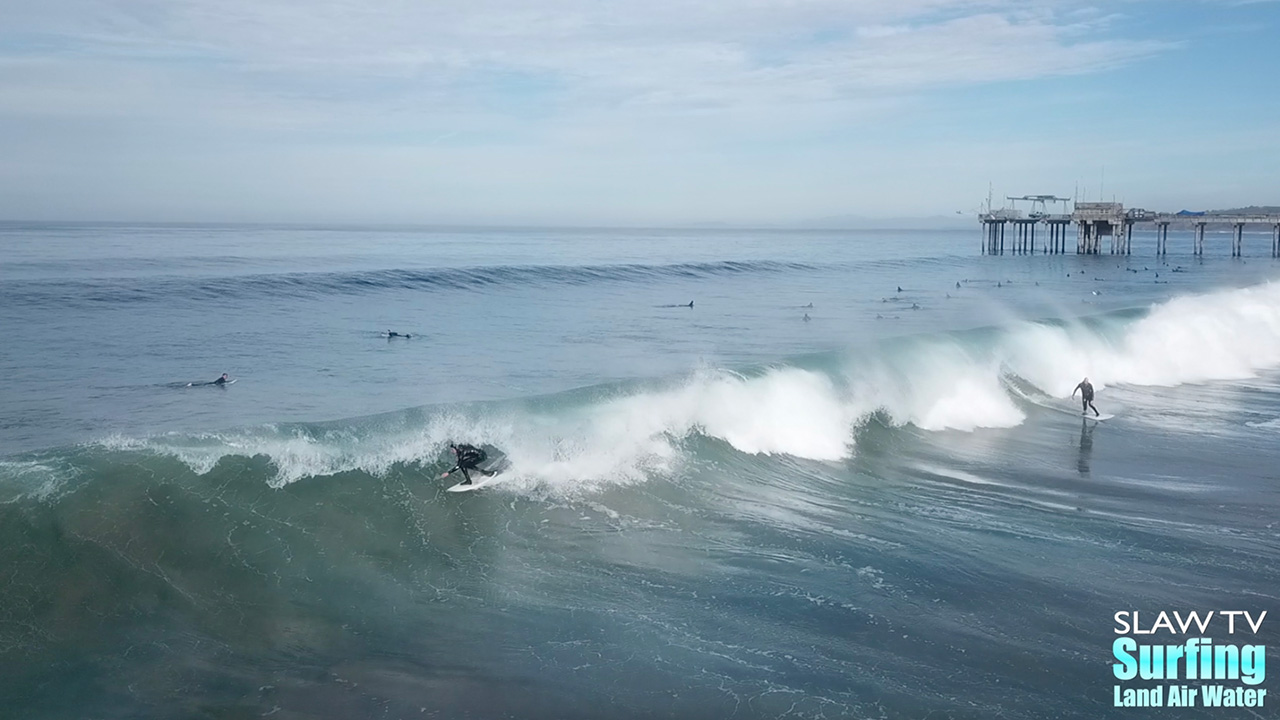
1097,220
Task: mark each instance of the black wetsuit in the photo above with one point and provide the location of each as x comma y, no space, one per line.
1086,398
469,458
220,381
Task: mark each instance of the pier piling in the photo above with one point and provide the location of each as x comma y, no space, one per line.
1094,220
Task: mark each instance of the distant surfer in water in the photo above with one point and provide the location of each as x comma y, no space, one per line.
391,334
1086,397
221,381
468,457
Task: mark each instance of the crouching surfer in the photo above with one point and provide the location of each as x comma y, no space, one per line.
468,457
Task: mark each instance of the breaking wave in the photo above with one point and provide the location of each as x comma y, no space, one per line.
810,407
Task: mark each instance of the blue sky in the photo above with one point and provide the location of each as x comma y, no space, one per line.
658,112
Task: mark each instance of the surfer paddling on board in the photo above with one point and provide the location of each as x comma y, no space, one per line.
1086,397
391,334
220,382
468,457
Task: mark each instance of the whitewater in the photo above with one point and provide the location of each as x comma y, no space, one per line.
889,509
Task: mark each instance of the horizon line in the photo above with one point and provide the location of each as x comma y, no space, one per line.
811,225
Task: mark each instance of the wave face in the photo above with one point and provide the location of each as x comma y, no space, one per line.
753,540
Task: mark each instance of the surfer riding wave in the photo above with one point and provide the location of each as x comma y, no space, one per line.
468,457
1086,397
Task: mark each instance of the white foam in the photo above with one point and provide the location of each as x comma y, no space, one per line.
32,479
787,410
294,453
935,385
1227,335
628,438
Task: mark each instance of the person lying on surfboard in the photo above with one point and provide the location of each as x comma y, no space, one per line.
220,382
1086,397
468,457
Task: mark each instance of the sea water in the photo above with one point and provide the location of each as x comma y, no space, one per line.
848,481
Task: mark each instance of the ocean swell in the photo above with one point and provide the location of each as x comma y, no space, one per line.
127,291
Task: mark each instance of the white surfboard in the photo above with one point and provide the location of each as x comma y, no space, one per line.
1070,411
1076,413
476,484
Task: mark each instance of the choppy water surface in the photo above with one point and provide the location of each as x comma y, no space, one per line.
890,509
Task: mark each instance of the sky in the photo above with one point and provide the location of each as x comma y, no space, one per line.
613,112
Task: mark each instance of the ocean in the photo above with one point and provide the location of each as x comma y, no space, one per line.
848,481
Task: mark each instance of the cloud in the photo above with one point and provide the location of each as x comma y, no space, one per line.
554,57
396,107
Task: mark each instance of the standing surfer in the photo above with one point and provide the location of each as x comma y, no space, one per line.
1086,397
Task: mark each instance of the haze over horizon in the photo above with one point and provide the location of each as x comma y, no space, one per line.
572,112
